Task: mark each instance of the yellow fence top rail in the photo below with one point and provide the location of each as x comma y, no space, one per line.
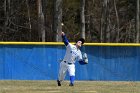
61,43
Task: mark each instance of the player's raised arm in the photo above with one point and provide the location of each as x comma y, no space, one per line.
64,38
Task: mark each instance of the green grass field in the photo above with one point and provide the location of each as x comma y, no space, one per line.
12,86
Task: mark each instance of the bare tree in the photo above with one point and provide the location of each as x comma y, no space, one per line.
29,18
104,20
41,22
6,13
83,18
100,20
118,23
57,20
137,22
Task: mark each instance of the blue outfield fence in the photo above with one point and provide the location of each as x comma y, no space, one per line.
41,62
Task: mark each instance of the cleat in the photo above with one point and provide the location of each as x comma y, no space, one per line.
71,84
59,83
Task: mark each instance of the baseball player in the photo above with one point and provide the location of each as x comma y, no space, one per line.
73,54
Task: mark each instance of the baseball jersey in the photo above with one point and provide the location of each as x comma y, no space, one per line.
72,54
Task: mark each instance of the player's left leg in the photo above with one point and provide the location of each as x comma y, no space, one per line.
71,70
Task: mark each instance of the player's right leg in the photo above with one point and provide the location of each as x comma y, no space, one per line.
58,83
62,73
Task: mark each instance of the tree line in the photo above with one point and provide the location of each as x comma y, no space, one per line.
102,21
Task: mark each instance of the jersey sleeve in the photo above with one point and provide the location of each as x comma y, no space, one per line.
65,40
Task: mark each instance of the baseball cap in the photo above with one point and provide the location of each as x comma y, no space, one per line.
81,39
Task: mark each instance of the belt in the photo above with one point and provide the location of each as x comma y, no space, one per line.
67,63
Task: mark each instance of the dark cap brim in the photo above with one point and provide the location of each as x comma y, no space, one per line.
82,40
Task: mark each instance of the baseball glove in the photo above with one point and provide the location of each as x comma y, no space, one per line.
85,58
